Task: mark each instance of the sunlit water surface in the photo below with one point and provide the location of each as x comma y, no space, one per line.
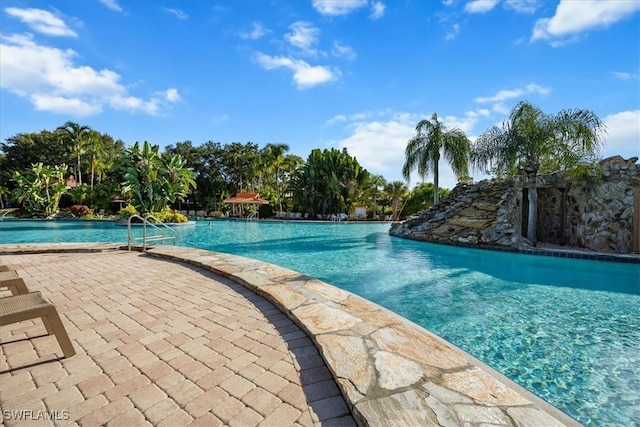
566,329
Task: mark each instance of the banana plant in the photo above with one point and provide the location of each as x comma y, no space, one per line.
154,180
40,189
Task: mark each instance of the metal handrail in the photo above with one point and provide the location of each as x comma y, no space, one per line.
6,211
253,215
155,225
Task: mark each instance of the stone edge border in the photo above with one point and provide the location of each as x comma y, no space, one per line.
376,357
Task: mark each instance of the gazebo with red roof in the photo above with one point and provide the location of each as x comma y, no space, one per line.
242,199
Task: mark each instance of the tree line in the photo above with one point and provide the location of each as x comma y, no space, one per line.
34,168
529,142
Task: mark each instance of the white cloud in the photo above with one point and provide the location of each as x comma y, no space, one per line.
59,104
623,134
51,81
453,32
379,145
42,21
336,119
624,75
304,36
377,10
112,4
575,17
337,7
343,51
480,6
483,6
220,119
467,122
507,94
447,2
378,140
304,75
256,32
172,95
177,13
522,6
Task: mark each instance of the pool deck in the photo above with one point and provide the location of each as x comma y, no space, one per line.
181,336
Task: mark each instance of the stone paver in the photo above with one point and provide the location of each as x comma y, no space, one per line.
158,343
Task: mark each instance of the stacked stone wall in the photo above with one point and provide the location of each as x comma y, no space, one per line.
600,219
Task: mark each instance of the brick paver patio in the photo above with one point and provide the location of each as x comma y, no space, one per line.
158,343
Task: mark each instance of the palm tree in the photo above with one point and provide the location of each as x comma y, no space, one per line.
530,139
396,191
377,183
275,157
423,151
96,150
4,193
77,136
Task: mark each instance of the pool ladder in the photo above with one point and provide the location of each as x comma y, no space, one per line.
156,225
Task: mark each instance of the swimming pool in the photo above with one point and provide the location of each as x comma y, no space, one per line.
566,329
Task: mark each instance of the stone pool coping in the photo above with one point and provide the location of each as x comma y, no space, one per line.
390,370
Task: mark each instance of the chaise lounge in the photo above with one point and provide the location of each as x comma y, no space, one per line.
18,308
25,305
9,279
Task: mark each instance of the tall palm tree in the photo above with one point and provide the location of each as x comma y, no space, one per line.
275,157
530,139
96,150
396,191
377,183
432,140
77,137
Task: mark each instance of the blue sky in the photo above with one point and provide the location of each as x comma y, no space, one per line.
316,73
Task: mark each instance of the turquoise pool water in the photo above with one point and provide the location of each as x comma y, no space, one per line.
568,330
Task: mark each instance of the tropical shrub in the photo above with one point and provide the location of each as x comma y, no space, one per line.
421,198
331,181
170,216
127,211
154,180
39,189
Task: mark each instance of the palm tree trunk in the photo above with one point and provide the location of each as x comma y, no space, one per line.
93,170
278,191
79,173
436,195
533,211
375,203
